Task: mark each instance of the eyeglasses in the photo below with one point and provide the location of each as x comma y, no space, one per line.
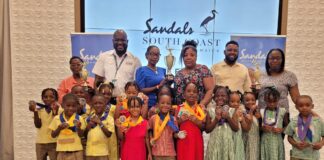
155,54
275,59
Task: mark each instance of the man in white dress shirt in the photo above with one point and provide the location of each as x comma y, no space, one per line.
118,65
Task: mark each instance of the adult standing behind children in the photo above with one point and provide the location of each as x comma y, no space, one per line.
150,78
76,64
231,73
195,73
118,65
277,76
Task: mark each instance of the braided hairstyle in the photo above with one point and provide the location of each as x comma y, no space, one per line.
52,90
271,93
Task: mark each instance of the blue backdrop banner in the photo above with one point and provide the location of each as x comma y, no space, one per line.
254,48
89,46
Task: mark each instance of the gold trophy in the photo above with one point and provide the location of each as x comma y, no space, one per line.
84,75
169,62
257,74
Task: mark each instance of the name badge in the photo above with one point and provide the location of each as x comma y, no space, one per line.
129,63
66,141
98,142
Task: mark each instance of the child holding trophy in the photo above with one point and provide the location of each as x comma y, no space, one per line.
134,133
79,77
43,116
68,127
191,118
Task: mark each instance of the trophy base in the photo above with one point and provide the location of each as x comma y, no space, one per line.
258,86
169,78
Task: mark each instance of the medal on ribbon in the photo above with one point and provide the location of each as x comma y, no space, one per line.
268,119
196,111
129,123
71,122
102,118
303,129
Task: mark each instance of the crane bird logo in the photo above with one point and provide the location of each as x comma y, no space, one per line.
205,22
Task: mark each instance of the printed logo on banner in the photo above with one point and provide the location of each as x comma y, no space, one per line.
254,49
175,34
90,46
169,23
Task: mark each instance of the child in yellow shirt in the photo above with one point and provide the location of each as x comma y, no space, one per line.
84,108
106,89
43,116
100,126
68,128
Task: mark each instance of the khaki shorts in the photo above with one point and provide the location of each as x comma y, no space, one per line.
75,155
97,158
42,150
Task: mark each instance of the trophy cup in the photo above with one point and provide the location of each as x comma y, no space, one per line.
169,62
84,75
257,74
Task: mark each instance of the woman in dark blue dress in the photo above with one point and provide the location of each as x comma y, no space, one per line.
150,77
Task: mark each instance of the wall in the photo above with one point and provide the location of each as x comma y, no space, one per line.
41,49
40,53
305,39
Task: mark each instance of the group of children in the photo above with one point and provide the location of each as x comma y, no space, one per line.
88,126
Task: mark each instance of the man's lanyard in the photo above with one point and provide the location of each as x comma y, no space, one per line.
118,65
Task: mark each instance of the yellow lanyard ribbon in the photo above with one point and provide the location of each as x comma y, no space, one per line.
129,123
159,128
197,111
68,131
123,104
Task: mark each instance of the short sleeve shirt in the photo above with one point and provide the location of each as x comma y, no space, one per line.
282,83
44,133
236,77
118,70
67,84
317,128
97,141
164,146
195,76
67,142
146,77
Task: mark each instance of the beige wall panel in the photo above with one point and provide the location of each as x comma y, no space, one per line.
41,48
305,46
40,53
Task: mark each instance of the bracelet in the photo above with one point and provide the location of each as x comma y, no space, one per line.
101,125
